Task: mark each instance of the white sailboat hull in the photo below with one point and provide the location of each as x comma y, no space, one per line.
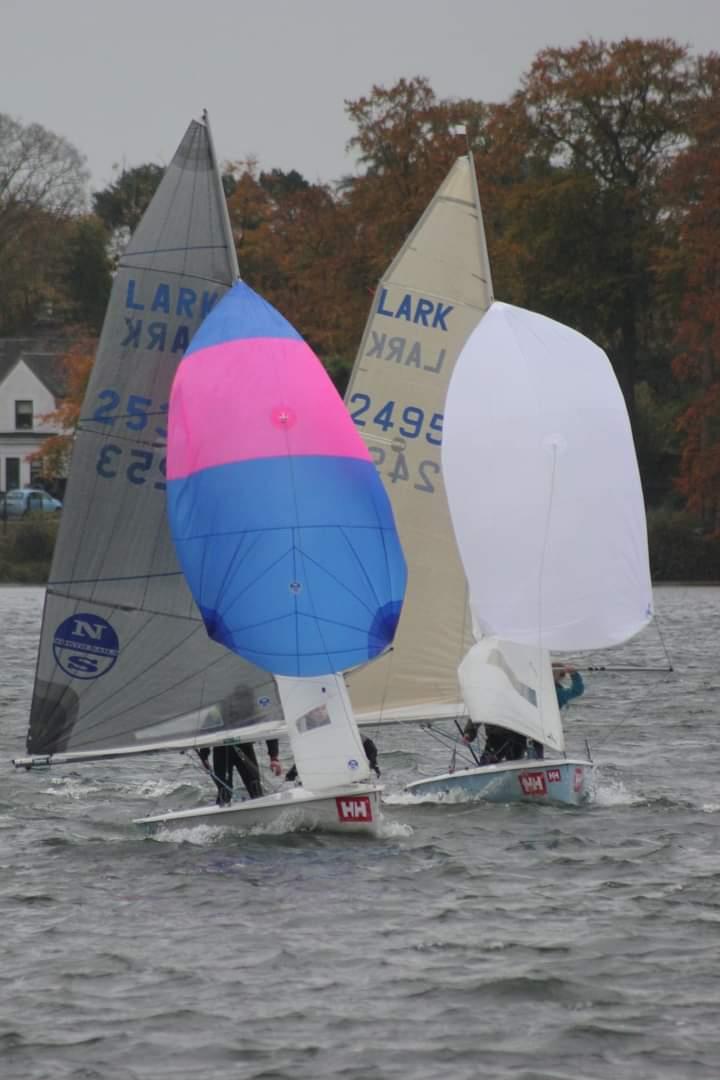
564,781
354,810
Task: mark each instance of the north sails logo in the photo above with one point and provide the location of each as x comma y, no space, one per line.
85,645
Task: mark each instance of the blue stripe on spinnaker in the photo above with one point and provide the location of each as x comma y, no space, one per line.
269,493
303,583
241,314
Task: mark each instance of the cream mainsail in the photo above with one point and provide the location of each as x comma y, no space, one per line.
428,302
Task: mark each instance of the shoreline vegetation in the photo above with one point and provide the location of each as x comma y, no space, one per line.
26,548
679,552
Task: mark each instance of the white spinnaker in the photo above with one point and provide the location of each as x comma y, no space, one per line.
512,685
544,488
324,738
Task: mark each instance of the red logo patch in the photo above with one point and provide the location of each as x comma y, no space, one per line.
579,777
354,808
533,783
553,776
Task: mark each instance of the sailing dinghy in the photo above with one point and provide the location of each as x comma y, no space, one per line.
433,296
125,663
550,524
286,538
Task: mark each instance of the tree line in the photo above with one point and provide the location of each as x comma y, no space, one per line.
600,185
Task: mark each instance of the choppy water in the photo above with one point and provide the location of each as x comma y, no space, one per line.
470,941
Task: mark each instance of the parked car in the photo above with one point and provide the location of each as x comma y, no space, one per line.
23,501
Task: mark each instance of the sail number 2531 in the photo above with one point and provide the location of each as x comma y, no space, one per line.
134,413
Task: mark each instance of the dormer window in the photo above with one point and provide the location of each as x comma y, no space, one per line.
23,415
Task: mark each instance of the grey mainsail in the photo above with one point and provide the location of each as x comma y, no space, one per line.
431,297
124,663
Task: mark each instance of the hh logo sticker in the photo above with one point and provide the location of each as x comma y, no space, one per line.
354,808
85,646
533,783
579,777
553,776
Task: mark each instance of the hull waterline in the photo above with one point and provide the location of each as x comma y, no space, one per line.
355,811
565,782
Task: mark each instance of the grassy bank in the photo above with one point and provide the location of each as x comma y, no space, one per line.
677,550
26,548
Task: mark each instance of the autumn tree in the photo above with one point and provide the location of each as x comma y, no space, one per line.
292,249
694,190
42,186
609,120
123,202
38,171
53,457
84,272
405,142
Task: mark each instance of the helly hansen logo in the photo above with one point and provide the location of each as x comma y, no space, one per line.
533,783
355,808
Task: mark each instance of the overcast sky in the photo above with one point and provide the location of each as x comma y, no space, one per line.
121,79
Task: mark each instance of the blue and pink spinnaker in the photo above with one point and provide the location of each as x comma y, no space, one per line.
282,526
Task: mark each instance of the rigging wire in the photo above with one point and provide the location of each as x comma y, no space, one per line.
263,775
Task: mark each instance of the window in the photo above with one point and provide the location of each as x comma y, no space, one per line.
12,473
23,415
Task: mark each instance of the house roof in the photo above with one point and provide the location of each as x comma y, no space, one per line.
42,356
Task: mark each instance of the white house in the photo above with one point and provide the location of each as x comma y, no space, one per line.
31,386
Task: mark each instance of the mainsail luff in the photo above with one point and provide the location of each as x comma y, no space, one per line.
222,201
438,287
124,660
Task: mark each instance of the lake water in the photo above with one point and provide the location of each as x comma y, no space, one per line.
469,941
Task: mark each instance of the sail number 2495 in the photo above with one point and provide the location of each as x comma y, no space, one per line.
408,422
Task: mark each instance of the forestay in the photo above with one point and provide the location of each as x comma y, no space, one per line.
124,661
429,300
550,519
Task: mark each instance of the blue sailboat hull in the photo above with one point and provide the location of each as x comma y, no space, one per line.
563,781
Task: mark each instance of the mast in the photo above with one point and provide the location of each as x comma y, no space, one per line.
222,199
485,258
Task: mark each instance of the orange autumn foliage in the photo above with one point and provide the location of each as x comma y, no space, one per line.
54,454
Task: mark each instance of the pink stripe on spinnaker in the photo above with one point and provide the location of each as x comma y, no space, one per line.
255,398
